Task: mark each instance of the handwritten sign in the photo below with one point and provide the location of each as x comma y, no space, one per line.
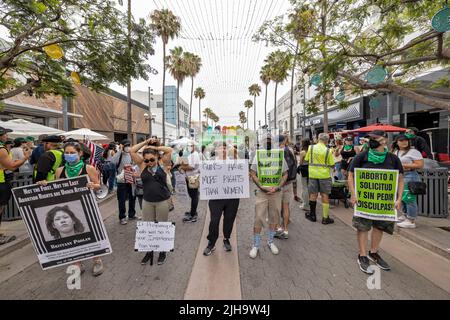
224,179
154,236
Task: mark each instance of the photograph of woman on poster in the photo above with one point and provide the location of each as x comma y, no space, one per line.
61,222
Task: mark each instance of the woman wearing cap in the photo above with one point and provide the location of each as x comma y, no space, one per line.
348,152
75,167
412,160
155,206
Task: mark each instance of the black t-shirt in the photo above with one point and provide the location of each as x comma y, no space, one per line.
391,162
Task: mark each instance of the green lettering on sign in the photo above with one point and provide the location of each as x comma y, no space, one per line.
270,166
376,193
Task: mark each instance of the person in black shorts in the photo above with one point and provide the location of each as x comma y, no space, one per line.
377,157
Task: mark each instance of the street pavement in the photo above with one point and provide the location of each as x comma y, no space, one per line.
316,262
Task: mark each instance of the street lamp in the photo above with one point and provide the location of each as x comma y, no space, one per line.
150,98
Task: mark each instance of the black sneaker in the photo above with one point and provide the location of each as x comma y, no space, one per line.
161,258
364,264
208,250
147,258
327,220
132,218
375,257
227,245
310,216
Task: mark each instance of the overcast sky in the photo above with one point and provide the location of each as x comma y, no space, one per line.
220,32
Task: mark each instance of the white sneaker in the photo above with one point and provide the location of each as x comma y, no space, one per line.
401,218
123,221
407,224
273,248
254,252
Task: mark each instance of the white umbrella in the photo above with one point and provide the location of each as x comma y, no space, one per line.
24,128
85,134
183,142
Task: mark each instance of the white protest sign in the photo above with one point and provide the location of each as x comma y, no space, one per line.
181,185
224,179
154,236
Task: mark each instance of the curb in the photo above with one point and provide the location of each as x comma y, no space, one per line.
22,241
424,242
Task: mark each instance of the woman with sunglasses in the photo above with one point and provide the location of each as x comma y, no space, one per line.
155,206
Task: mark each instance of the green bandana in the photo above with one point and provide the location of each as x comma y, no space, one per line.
72,170
348,147
410,135
377,157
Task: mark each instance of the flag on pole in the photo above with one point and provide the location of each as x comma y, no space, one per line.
96,154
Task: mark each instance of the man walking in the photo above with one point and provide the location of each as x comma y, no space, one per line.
321,162
122,160
49,161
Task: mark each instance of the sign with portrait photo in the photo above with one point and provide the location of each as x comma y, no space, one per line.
63,221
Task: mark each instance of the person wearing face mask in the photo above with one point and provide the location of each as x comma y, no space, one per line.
192,172
75,167
155,206
377,157
418,143
50,161
122,159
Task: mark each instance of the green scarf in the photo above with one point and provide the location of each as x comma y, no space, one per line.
348,147
72,170
377,157
410,135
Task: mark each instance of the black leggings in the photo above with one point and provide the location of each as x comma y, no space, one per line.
194,195
229,208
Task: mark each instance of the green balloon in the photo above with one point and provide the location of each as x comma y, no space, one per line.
441,20
316,79
376,75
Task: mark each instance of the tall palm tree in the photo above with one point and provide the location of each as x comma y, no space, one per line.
167,26
199,94
193,65
279,63
265,78
177,68
254,90
248,104
207,112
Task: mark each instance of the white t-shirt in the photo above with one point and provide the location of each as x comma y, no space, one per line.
194,162
409,156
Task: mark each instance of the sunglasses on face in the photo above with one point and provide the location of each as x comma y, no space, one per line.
149,160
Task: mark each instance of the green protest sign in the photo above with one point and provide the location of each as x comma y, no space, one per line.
376,192
270,166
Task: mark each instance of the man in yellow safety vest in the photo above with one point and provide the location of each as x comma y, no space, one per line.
49,161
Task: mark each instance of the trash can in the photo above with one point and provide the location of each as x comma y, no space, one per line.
435,203
20,179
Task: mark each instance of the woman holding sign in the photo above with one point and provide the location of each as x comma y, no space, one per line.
412,160
74,167
227,207
155,206
375,198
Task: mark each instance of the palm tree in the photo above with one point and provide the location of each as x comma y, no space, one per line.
193,64
265,78
242,118
177,68
254,90
279,63
248,104
167,26
199,94
207,112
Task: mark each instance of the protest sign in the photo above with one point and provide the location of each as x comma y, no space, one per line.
63,221
376,193
210,139
128,174
270,166
224,179
154,236
181,185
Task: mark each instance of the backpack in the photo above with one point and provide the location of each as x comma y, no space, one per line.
292,164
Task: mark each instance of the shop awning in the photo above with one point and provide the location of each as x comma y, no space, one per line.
335,116
27,109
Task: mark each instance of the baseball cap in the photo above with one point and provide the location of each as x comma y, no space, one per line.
55,139
401,137
19,140
4,131
29,139
349,138
8,142
377,134
125,142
